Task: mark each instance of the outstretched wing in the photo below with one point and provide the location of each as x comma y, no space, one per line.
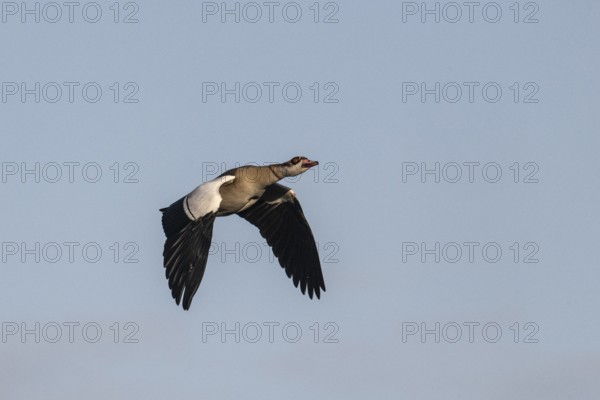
188,225
280,220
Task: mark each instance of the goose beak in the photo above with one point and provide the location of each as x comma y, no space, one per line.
309,163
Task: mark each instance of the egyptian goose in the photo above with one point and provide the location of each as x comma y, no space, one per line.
252,192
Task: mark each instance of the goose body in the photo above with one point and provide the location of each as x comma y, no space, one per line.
253,193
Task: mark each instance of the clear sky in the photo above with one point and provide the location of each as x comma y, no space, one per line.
455,207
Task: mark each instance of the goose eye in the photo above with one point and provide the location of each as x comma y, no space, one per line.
295,160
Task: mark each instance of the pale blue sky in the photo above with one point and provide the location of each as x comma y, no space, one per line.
362,213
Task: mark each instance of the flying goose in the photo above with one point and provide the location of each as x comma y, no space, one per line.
252,192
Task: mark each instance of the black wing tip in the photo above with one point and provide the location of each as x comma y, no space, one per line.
185,256
280,220
188,297
177,297
177,292
315,291
186,305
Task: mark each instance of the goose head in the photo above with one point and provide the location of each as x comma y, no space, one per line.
298,165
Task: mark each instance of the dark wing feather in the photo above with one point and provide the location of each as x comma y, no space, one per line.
280,220
186,251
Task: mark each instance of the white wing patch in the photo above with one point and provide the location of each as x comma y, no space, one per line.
205,198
